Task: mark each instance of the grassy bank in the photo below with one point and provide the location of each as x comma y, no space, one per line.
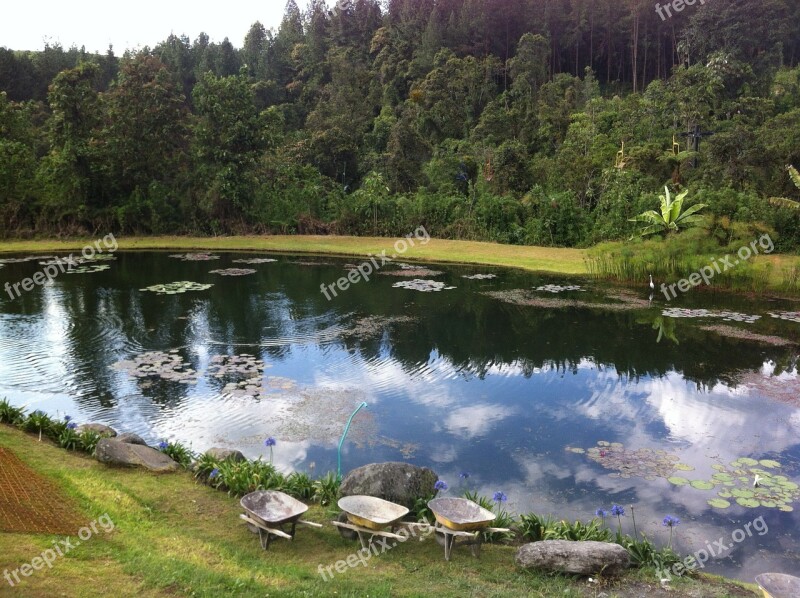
173,536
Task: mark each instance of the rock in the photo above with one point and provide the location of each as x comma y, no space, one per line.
130,438
400,483
582,558
101,429
223,454
114,452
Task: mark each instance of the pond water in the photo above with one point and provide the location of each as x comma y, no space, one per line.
567,395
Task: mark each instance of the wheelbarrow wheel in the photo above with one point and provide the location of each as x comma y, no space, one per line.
347,534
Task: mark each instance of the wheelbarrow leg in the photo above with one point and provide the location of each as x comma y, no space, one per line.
363,539
265,538
449,541
476,546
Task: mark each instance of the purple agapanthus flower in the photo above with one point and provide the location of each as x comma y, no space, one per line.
163,444
440,485
269,441
670,521
464,475
499,497
601,513
617,510
67,418
72,425
214,473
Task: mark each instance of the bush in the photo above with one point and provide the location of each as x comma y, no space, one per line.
10,414
178,452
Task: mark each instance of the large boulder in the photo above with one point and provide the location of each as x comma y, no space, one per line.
225,454
114,452
130,438
582,558
399,483
101,429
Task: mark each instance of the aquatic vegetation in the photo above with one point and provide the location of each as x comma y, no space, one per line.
644,462
30,258
255,260
246,370
789,316
425,286
194,257
479,276
735,482
233,271
626,301
411,272
158,364
746,335
555,288
174,288
372,326
727,316
88,269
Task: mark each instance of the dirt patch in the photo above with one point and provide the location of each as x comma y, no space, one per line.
738,333
30,504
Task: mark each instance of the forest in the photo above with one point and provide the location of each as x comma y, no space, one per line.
543,122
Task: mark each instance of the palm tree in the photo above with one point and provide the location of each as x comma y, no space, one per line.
672,215
784,202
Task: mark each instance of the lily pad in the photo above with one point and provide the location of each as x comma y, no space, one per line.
678,481
702,485
173,288
719,503
748,502
769,463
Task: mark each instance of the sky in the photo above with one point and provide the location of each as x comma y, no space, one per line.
130,25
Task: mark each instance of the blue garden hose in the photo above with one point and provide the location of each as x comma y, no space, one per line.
341,442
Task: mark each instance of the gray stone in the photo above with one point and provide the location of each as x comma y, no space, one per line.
400,483
223,454
581,558
101,429
113,452
130,438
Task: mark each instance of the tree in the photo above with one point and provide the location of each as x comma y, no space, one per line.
672,216
229,137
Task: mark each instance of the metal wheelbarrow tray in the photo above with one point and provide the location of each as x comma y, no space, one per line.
778,585
369,516
269,511
462,518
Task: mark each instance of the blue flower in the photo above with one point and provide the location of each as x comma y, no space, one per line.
464,475
269,441
617,510
67,418
163,444
214,473
440,485
499,497
72,425
670,521
601,513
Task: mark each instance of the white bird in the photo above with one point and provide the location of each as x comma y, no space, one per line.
652,284
756,481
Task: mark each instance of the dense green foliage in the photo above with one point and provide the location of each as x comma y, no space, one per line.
519,121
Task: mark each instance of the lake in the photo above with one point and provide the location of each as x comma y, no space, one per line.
566,394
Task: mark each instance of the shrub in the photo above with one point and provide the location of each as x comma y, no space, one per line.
10,414
178,452
326,489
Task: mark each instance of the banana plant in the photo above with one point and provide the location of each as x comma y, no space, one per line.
672,216
785,202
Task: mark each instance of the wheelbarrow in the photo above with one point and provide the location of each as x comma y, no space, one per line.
462,518
270,512
369,516
778,585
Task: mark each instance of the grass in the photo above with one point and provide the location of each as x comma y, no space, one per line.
174,536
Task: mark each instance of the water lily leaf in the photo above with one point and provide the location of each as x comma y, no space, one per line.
718,467
683,467
748,502
747,461
722,477
742,493
678,481
576,450
702,485
769,463
724,494
785,508
719,503
770,504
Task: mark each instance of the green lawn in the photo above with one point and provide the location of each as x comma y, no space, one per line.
173,536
